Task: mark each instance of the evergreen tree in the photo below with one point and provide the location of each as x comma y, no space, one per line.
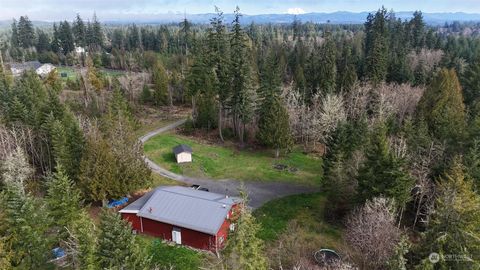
81,243
146,95
219,57
242,100
66,37
327,68
63,200
160,84
43,43
96,33
273,123
383,174
79,31
200,87
347,72
56,46
14,39
376,46
26,32
117,246
24,226
244,249
417,30
98,178
274,128
471,83
454,229
442,107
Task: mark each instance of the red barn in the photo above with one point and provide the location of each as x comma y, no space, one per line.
183,215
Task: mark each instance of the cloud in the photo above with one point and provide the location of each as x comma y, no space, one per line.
296,11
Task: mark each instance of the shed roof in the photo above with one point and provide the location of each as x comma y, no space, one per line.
184,207
182,148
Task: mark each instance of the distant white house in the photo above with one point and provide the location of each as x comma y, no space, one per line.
79,50
183,153
45,69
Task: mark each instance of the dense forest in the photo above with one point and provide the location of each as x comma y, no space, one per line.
391,106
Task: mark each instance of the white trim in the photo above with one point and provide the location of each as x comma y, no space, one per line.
126,211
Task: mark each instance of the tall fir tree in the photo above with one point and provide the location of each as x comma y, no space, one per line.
79,31
327,67
117,245
63,201
241,103
81,243
244,249
383,173
219,57
376,46
160,84
454,229
273,122
26,32
25,227
442,107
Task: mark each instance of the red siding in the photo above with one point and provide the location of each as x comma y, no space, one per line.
134,220
190,237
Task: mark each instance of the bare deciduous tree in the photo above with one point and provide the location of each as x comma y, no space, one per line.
16,170
429,58
314,123
422,161
372,234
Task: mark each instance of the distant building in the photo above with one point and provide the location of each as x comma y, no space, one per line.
42,70
185,216
79,50
183,153
18,68
45,69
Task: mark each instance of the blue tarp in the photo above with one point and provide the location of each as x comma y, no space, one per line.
58,252
115,203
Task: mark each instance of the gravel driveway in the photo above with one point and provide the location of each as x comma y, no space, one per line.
258,192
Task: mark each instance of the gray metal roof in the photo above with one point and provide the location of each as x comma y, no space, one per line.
182,148
26,65
184,207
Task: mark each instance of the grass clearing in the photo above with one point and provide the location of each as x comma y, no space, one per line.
70,71
306,209
297,221
221,162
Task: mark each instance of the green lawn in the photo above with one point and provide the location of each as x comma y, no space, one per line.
306,211
227,162
70,71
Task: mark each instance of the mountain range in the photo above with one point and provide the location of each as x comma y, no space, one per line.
339,17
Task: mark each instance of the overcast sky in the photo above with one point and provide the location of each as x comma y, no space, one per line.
120,9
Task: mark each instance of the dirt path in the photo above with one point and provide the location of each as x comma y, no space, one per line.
258,192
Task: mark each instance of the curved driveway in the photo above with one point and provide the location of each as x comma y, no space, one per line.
258,192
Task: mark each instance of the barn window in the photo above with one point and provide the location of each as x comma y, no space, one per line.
232,227
220,240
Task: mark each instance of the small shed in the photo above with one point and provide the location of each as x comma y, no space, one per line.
183,153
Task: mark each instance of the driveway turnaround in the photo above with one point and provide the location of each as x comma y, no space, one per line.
258,192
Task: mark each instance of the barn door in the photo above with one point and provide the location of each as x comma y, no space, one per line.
177,235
